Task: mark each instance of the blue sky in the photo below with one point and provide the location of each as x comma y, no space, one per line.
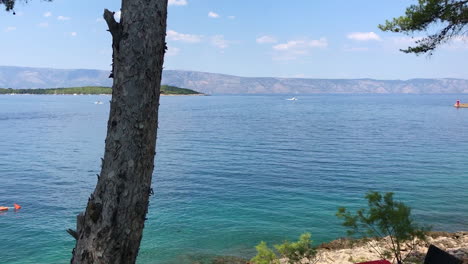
296,38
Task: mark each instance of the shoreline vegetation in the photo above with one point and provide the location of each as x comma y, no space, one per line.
95,90
384,230
350,251
347,251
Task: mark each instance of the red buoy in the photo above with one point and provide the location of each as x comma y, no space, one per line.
6,208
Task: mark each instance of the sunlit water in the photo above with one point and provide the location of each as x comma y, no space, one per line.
233,170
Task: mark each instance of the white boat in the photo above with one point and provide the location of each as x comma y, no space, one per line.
98,102
292,99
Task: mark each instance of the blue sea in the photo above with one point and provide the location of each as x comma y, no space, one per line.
232,171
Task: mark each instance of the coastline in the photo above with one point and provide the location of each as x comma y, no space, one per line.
93,90
351,251
346,251
201,94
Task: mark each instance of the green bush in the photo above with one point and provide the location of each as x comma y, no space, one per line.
385,217
264,255
294,252
165,89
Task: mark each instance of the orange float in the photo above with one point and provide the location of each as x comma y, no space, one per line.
6,208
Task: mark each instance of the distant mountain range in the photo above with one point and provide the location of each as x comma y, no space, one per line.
213,83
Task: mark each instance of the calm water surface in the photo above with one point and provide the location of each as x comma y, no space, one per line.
233,170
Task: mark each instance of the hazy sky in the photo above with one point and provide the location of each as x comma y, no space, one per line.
294,38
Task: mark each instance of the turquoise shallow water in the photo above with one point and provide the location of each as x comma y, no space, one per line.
233,170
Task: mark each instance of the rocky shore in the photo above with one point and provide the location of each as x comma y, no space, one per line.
344,251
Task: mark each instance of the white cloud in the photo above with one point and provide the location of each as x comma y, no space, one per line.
301,45
266,39
176,36
318,43
178,2
299,75
293,49
118,15
364,36
43,24
99,20
172,51
63,18
457,43
405,40
73,34
231,17
461,40
219,42
47,14
213,14
393,44
353,49
9,29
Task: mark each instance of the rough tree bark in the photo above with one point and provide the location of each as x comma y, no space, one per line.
110,230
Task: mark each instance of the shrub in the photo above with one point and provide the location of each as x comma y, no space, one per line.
294,252
385,217
264,255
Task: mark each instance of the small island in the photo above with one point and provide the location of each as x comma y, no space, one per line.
165,90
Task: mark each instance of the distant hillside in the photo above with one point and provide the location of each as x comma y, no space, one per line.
25,78
212,83
165,90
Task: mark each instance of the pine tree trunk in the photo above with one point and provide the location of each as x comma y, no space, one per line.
110,230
